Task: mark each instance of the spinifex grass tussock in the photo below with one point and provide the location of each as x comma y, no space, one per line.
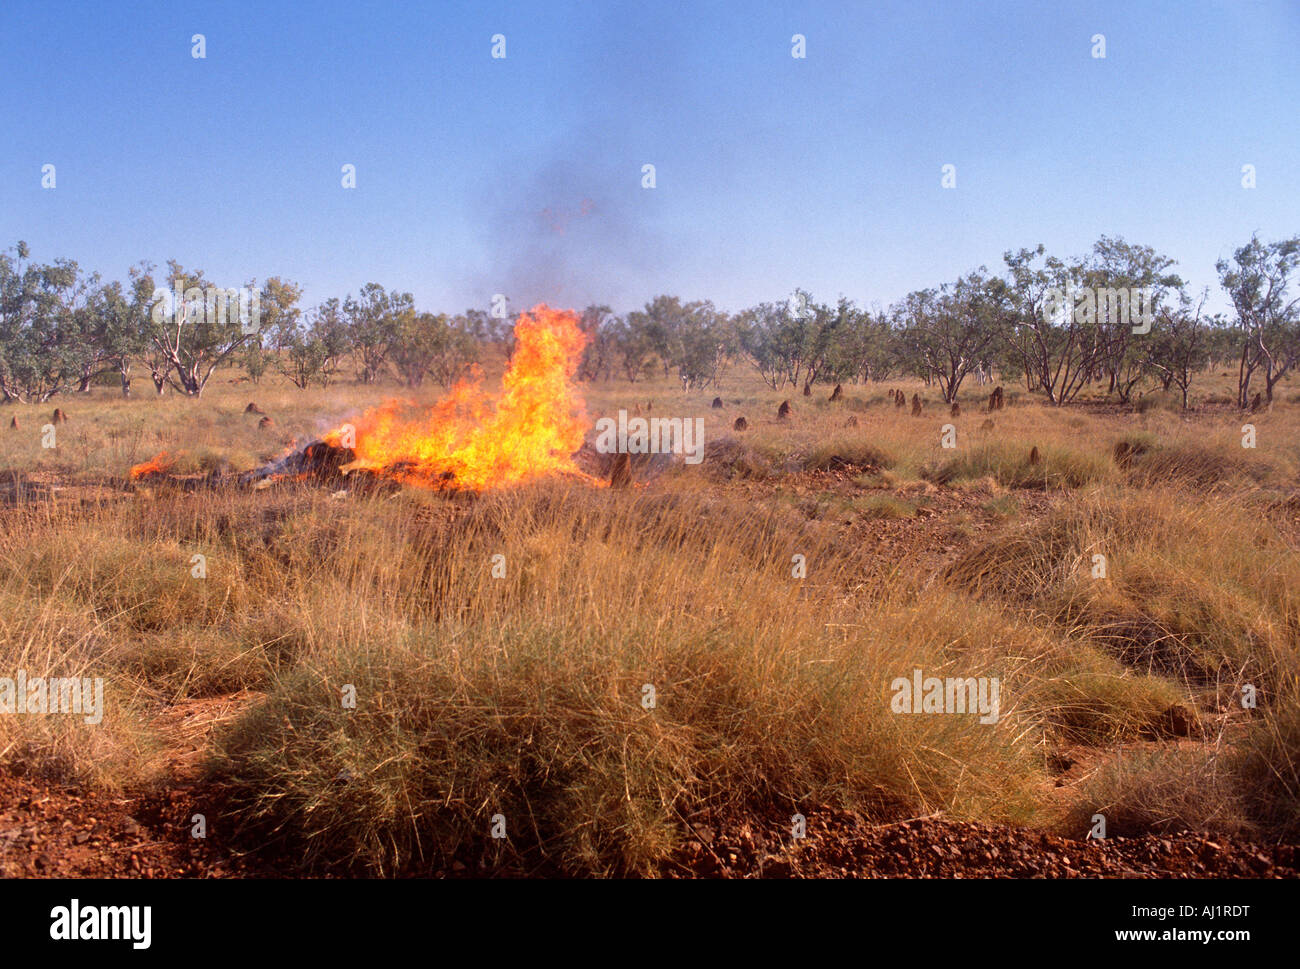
1169,789
1202,466
1089,697
526,695
1010,465
1267,764
847,453
48,636
1202,592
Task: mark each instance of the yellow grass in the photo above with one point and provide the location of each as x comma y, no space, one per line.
523,695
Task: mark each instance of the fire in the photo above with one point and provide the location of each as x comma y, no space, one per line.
470,439
160,463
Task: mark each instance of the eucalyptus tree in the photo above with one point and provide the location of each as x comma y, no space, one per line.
1258,281
1057,344
1129,285
946,333
195,326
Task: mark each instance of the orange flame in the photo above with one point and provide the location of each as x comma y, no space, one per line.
468,439
160,463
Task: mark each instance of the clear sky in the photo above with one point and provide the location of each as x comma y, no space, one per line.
522,175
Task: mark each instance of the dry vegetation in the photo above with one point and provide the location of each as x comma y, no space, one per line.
522,695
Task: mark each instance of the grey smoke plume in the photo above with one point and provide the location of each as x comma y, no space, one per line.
572,225
571,231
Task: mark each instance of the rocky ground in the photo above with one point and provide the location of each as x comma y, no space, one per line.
845,846
52,831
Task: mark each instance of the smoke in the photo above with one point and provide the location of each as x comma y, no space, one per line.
569,223
570,232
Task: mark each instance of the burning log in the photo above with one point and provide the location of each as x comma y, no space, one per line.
470,439
317,461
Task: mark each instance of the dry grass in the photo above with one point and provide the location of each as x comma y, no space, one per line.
522,695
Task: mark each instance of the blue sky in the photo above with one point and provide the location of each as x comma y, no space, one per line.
523,175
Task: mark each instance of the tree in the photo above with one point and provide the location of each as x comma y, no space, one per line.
372,319
633,346
1179,346
786,345
329,329
1257,281
861,345
703,343
486,328
597,322
425,344
873,347
279,314
1057,345
1117,271
769,342
42,308
947,332
195,326
119,331
307,350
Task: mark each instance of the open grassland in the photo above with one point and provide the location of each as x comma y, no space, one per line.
522,694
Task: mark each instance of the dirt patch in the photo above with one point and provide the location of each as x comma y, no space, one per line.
842,845
48,830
